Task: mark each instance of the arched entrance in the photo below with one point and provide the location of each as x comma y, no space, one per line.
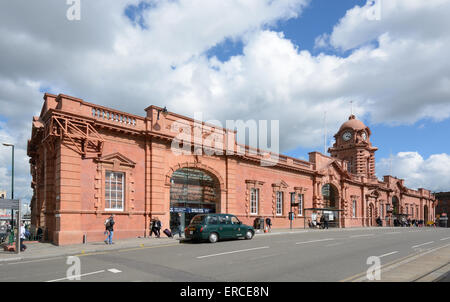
371,214
395,210
192,191
395,206
330,195
425,214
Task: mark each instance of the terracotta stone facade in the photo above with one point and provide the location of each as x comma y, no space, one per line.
443,203
88,161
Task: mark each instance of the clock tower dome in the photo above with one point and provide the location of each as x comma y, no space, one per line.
353,145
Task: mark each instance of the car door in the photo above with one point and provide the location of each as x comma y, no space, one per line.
236,227
226,227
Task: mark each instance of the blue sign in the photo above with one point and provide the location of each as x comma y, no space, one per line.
190,210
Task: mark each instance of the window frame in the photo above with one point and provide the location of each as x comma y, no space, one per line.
254,201
301,197
354,208
279,203
123,191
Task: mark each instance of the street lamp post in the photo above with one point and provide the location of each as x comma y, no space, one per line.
12,178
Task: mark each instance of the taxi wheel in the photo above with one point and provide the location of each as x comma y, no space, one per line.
249,235
213,237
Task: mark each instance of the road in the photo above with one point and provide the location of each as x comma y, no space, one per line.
328,255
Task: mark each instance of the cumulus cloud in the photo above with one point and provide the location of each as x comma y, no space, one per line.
397,70
431,173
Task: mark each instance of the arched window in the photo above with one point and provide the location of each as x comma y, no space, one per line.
395,205
330,196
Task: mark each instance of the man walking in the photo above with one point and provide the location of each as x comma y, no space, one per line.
110,229
158,226
23,247
325,221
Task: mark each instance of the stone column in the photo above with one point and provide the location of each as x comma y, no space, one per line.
68,195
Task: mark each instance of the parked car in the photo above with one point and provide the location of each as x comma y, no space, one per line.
215,227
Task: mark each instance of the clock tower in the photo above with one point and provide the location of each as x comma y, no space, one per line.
353,145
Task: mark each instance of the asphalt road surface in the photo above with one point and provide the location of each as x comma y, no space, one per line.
333,255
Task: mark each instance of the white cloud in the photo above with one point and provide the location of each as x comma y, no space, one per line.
431,173
105,59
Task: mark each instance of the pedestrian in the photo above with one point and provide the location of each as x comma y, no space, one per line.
158,226
269,223
325,221
318,221
177,225
23,247
153,227
109,225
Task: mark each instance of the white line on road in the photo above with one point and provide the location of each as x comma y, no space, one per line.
246,250
445,238
328,239
76,276
38,260
393,233
334,244
114,270
388,254
422,244
355,236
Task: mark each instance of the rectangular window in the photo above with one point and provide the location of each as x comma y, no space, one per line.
412,211
300,204
254,197
114,191
381,211
279,203
354,208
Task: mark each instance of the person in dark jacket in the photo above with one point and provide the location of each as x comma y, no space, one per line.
324,220
269,223
153,227
158,226
110,229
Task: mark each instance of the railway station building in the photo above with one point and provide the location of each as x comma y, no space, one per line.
88,161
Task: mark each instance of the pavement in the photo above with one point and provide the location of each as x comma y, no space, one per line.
407,254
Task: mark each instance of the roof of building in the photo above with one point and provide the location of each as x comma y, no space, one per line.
353,123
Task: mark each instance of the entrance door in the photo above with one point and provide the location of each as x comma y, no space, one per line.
192,192
370,214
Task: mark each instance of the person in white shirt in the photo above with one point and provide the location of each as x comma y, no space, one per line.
23,247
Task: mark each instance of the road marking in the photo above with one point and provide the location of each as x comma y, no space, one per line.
391,265
355,236
114,270
388,254
76,276
445,238
393,233
38,260
422,244
334,244
328,239
239,251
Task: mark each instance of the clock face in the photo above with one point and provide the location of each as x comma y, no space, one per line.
364,136
347,136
